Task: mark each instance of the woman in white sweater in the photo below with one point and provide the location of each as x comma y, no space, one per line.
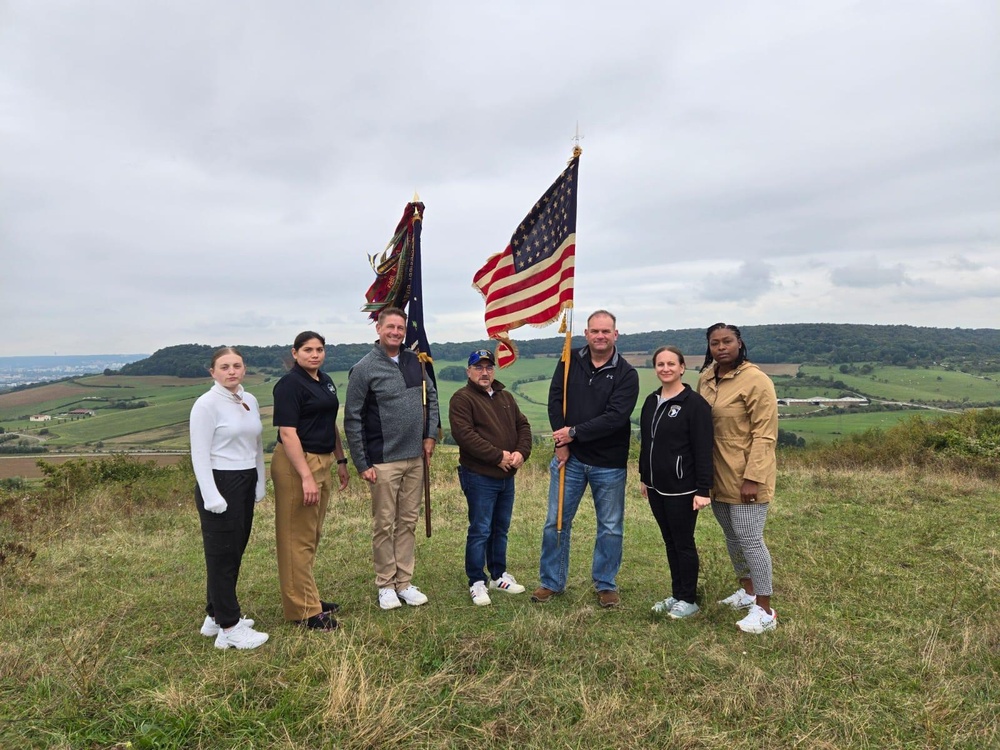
227,454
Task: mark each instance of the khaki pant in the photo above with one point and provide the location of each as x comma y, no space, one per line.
396,498
297,530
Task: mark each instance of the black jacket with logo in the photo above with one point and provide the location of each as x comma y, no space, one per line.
675,457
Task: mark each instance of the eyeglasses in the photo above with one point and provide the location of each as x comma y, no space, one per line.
483,367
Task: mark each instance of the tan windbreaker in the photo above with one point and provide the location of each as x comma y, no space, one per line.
745,416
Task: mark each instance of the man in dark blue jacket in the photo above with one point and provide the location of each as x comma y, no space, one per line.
592,443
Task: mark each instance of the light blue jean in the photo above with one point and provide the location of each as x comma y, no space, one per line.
608,488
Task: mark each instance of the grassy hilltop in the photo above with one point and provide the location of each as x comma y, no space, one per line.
885,555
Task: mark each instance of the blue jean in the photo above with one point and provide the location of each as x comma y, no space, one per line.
608,488
491,505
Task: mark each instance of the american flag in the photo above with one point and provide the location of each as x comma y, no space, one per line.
531,281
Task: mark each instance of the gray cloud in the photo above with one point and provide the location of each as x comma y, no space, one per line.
868,275
958,262
751,281
188,172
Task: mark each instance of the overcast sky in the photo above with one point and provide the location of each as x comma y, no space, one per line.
218,172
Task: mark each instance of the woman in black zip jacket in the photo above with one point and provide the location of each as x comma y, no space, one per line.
675,473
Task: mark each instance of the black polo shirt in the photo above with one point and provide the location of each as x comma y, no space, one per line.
310,406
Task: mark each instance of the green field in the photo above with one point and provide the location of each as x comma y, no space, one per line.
117,423
162,425
796,409
827,429
918,384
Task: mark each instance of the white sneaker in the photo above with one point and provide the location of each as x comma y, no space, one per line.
240,636
412,596
507,583
480,597
758,621
662,608
387,599
682,609
210,628
739,599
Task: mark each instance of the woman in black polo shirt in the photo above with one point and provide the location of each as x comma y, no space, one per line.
305,413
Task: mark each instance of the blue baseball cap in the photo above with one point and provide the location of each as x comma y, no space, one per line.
481,355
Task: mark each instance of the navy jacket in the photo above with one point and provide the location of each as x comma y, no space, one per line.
599,405
675,457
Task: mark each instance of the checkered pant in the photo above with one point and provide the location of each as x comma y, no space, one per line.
743,527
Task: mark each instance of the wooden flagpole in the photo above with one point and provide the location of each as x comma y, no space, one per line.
567,348
427,464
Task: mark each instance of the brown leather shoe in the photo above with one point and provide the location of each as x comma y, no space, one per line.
608,599
542,594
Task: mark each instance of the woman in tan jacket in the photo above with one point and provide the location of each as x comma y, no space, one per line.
745,418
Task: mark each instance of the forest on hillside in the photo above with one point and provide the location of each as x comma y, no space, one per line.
972,350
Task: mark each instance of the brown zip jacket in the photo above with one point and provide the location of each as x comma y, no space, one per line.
745,417
485,427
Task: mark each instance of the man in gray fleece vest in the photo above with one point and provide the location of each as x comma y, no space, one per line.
390,437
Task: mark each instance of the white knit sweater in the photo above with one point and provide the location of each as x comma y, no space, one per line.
225,435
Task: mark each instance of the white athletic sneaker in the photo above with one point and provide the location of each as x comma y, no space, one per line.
682,609
210,628
507,583
758,621
480,597
240,636
662,608
387,599
739,599
412,596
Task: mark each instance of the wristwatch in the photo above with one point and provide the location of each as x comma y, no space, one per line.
572,433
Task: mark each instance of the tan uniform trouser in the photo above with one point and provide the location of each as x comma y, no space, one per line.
396,498
297,530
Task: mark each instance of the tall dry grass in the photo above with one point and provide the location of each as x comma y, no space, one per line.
888,637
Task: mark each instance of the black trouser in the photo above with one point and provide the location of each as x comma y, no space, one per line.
677,519
225,536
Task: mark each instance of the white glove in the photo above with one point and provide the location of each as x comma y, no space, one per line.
260,492
218,506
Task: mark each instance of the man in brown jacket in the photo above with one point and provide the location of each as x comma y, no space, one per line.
494,440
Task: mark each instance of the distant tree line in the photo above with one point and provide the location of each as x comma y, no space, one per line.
975,350
128,405
452,372
790,439
192,360
12,443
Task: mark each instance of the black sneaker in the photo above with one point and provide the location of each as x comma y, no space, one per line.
331,607
322,621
